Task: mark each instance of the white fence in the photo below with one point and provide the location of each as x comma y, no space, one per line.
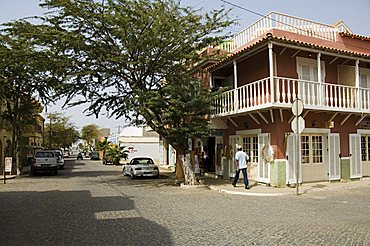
282,22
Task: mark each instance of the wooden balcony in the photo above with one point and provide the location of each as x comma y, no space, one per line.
281,92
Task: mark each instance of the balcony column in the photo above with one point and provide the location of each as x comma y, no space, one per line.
271,71
321,90
357,71
236,101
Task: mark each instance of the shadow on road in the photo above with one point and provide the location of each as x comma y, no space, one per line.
75,218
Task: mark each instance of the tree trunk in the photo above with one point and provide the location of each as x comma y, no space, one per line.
188,169
179,169
19,164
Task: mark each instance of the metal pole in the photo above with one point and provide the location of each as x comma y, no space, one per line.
50,132
3,158
298,148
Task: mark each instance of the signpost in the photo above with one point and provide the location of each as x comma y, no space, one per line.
7,168
297,125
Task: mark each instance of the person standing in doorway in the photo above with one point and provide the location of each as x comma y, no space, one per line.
241,160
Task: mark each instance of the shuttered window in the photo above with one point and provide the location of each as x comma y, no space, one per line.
250,146
312,149
365,148
307,69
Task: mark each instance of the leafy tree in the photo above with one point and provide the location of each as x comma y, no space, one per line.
18,115
59,132
25,79
90,134
133,58
103,146
116,153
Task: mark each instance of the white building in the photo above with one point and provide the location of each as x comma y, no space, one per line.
142,141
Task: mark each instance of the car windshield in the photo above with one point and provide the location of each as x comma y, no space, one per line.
57,153
44,154
142,161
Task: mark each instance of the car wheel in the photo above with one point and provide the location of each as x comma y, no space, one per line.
132,174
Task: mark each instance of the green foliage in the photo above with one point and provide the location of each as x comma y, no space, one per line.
103,145
89,134
59,132
116,153
131,58
25,67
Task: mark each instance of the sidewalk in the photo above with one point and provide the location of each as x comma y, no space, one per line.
218,184
257,189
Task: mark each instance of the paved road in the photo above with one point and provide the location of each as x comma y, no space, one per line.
92,204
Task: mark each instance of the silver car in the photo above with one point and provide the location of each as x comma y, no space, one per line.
60,160
141,167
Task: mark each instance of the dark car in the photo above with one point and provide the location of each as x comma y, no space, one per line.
79,156
94,155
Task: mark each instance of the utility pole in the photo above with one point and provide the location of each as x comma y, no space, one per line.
3,155
49,132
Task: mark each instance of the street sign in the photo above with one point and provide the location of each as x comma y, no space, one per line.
297,107
8,164
298,127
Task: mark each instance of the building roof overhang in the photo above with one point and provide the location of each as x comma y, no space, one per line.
292,43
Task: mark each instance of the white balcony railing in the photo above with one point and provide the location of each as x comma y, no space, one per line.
274,20
314,95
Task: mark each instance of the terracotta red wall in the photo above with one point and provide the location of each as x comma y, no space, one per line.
278,129
253,68
331,73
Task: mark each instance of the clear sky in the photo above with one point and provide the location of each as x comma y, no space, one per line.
355,13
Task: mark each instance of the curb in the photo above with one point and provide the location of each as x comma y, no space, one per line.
215,188
191,187
8,177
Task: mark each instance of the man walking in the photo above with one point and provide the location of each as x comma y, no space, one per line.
241,159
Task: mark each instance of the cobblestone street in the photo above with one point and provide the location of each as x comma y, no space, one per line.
92,204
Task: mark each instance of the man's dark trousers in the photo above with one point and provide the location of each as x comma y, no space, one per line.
244,171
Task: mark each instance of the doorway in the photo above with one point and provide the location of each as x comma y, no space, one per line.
210,154
313,168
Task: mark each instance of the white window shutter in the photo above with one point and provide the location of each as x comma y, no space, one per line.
292,157
263,166
306,73
355,155
333,153
233,141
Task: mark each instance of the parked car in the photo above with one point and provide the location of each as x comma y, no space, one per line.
141,167
94,155
45,160
60,159
107,159
66,153
80,156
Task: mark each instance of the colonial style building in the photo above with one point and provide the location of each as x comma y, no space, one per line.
272,63
31,140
